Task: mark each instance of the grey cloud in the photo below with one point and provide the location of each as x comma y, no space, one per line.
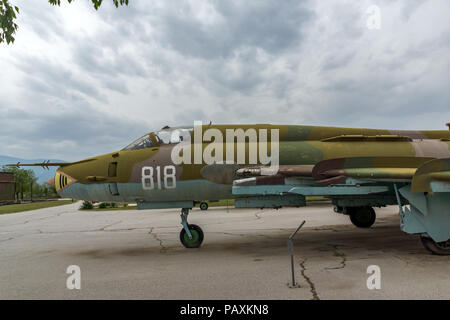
233,38
338,60
411,7
89,131
244,61
91,57
46,77
116,85
267,25
44,23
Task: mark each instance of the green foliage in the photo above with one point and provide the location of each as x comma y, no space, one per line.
7,25
86,205
8,15
23,178
105,205
96,3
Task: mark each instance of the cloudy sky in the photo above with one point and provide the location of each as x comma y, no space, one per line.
79,82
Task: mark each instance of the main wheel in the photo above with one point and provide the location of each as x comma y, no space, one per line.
438,248
197,236
362,217
203,206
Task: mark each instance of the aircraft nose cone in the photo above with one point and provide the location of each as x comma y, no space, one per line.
62,181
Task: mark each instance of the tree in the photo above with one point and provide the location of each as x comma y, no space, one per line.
9,12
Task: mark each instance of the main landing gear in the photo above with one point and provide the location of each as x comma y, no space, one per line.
438,248
191,236
362,217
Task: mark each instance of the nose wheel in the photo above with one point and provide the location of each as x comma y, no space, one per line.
203,206
191,236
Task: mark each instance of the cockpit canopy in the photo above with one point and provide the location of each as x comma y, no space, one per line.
162,137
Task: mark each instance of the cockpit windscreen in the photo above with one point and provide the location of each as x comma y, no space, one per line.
165,136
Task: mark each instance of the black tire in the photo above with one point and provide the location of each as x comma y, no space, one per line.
362,217
197,236
203,206
437,248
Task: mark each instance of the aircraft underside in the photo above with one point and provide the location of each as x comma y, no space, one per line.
354,194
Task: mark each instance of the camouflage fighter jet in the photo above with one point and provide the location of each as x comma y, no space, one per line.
273,166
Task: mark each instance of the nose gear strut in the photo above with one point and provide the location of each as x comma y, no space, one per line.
191,236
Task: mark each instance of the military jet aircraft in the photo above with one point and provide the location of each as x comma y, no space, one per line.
273,166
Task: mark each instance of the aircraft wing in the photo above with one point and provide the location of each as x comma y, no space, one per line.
433,176
357,177
391,169
421,172
46,164
424,174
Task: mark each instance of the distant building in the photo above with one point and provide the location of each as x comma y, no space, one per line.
7,187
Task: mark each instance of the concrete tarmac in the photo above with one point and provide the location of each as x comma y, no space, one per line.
137,255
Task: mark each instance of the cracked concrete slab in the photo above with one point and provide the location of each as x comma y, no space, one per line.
137,255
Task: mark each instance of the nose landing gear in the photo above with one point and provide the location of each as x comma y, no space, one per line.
191,236
203,206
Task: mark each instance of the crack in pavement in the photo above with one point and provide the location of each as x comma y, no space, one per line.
341,255
107,226
324,229
246,235
95,230
258,212
18,236
4,240
38,219
233,234
155,236
103,229
309,281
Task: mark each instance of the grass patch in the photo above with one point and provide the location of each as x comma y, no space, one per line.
13,208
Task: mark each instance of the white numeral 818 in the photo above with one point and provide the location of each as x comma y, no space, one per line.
170,180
